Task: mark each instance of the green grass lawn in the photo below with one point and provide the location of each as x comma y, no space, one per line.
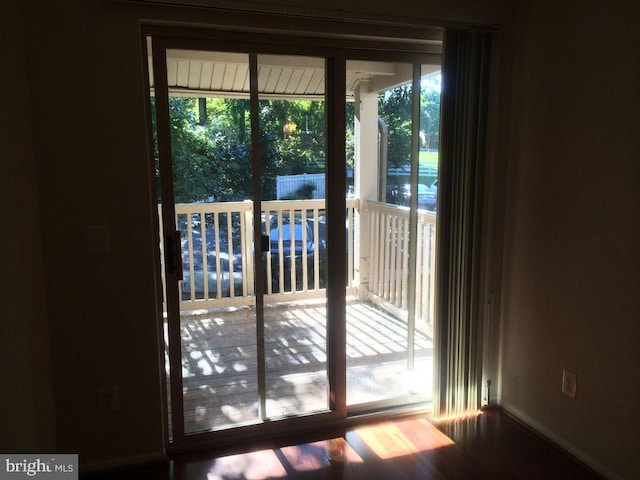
429,159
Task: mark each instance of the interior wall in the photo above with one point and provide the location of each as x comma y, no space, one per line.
407,12
572,261
88,117
88,152
26,402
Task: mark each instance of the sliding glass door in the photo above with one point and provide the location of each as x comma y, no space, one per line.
242,165
297,232
291,112
393,121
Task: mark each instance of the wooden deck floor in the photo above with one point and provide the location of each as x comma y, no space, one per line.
220,362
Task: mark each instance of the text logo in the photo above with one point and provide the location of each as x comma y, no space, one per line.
49,467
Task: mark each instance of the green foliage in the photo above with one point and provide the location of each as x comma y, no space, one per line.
303,150
394,107
430,118
212,161
209,161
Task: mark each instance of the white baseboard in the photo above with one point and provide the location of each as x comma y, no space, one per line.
122,462
557,441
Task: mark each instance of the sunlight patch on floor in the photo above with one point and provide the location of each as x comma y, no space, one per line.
396,439
281,462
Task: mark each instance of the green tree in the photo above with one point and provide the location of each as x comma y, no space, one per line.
430,118
394,107
212,159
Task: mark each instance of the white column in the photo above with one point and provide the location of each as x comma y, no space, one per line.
365,175
366,143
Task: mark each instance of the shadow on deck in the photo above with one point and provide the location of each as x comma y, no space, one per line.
219,362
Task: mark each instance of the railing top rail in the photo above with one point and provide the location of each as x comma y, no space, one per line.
293,204
372,204
245,206
353,202
400,210
214,207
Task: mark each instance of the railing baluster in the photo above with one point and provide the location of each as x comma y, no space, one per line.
425,293
243,253
203,249
248,242
404,288
232,282
216,239
292,248
316,253
432,271
304,253
396,272
374,249
386,270
420,269
280,255
192,276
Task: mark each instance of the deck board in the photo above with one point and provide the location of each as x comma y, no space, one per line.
220,361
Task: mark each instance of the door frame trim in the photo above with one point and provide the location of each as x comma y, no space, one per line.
335,52
172,296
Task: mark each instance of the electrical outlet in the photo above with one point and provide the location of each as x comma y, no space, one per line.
569,384
108,400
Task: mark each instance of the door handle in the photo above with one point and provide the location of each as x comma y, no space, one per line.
173,254
265,244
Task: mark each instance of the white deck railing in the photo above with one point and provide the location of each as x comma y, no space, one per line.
389,259
218,261
217,253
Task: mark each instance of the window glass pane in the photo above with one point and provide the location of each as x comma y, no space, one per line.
292,122
389,348
209,118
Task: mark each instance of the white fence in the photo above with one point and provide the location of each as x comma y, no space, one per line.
287,185
423,171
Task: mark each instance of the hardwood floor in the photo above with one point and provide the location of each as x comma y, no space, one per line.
487,446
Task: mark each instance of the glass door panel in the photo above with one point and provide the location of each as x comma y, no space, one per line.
246,356
389,353
212,171
247,174
292,121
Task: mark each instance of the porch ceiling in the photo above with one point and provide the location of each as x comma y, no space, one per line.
198,73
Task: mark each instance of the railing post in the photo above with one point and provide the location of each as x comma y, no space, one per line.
361,247
432,272
247,239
